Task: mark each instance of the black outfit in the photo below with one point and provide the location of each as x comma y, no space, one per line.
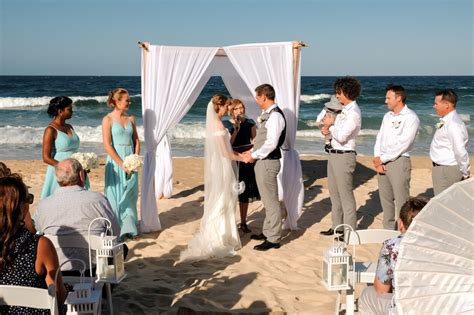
21,271
246,170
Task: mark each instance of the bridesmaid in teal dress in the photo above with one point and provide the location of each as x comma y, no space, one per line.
59,141
120,138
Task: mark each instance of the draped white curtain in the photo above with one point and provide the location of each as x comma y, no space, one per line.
172,78
273,63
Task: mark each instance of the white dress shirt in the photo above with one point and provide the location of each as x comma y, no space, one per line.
346,127
449,144
396,135
275,125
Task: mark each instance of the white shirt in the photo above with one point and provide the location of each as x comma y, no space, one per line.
275,125
396,135
346,127
449,144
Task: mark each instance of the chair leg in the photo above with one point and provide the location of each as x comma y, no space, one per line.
109,298
338,303
350,302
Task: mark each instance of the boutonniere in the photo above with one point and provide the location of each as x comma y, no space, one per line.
439,124
396,124
343,115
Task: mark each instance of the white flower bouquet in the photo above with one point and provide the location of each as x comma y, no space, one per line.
132,162
88,160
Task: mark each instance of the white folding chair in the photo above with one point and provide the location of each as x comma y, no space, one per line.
364,271
80,241
13,295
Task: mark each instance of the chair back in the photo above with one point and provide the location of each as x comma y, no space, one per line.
374,236
74,241
38,298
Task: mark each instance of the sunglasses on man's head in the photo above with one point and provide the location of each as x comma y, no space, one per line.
30,198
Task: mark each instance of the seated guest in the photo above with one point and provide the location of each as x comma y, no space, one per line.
376,299
70,209
5,171
27,259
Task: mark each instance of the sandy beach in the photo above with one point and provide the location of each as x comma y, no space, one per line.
283,281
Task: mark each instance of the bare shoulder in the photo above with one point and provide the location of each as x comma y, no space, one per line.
45,246
107,120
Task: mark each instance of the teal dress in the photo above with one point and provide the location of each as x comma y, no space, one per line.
121,189
64,146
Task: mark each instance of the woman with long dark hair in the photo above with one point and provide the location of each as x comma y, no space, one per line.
26,259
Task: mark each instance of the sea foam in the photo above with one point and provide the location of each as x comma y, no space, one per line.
313,98
16,102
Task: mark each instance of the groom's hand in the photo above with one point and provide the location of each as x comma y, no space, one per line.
247,157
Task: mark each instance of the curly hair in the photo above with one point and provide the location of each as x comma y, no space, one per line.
114,96
349,86
218,101
13,193
58,103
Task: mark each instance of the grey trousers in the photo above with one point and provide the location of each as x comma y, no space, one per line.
341,188
444,177
394,190
266,172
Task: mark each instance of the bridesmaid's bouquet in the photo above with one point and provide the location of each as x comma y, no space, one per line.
132,162
88,160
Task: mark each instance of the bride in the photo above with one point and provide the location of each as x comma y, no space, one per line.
218,235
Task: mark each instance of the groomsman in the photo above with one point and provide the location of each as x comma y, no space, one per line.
448,150
392,154
342,156
270,137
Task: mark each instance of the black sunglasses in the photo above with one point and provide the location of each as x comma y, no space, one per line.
30,198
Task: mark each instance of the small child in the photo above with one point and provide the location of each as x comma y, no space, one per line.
331,108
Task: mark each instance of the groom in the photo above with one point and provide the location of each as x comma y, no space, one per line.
270,137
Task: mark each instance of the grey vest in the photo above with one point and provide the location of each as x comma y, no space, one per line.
262,135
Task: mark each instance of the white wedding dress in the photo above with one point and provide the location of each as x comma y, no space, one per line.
218,235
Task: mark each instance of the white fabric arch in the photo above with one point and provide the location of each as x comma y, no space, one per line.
173,78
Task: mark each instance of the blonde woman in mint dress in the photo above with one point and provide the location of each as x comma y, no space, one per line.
120,138
59,141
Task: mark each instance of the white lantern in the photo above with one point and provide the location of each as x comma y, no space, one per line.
109,259
336,267
83,299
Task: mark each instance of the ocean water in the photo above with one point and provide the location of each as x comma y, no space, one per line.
24,100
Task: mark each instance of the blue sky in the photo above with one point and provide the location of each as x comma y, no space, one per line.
356,37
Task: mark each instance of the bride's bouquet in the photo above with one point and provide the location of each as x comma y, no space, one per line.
132,162
88,160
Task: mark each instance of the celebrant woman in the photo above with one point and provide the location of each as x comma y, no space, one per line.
120,139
